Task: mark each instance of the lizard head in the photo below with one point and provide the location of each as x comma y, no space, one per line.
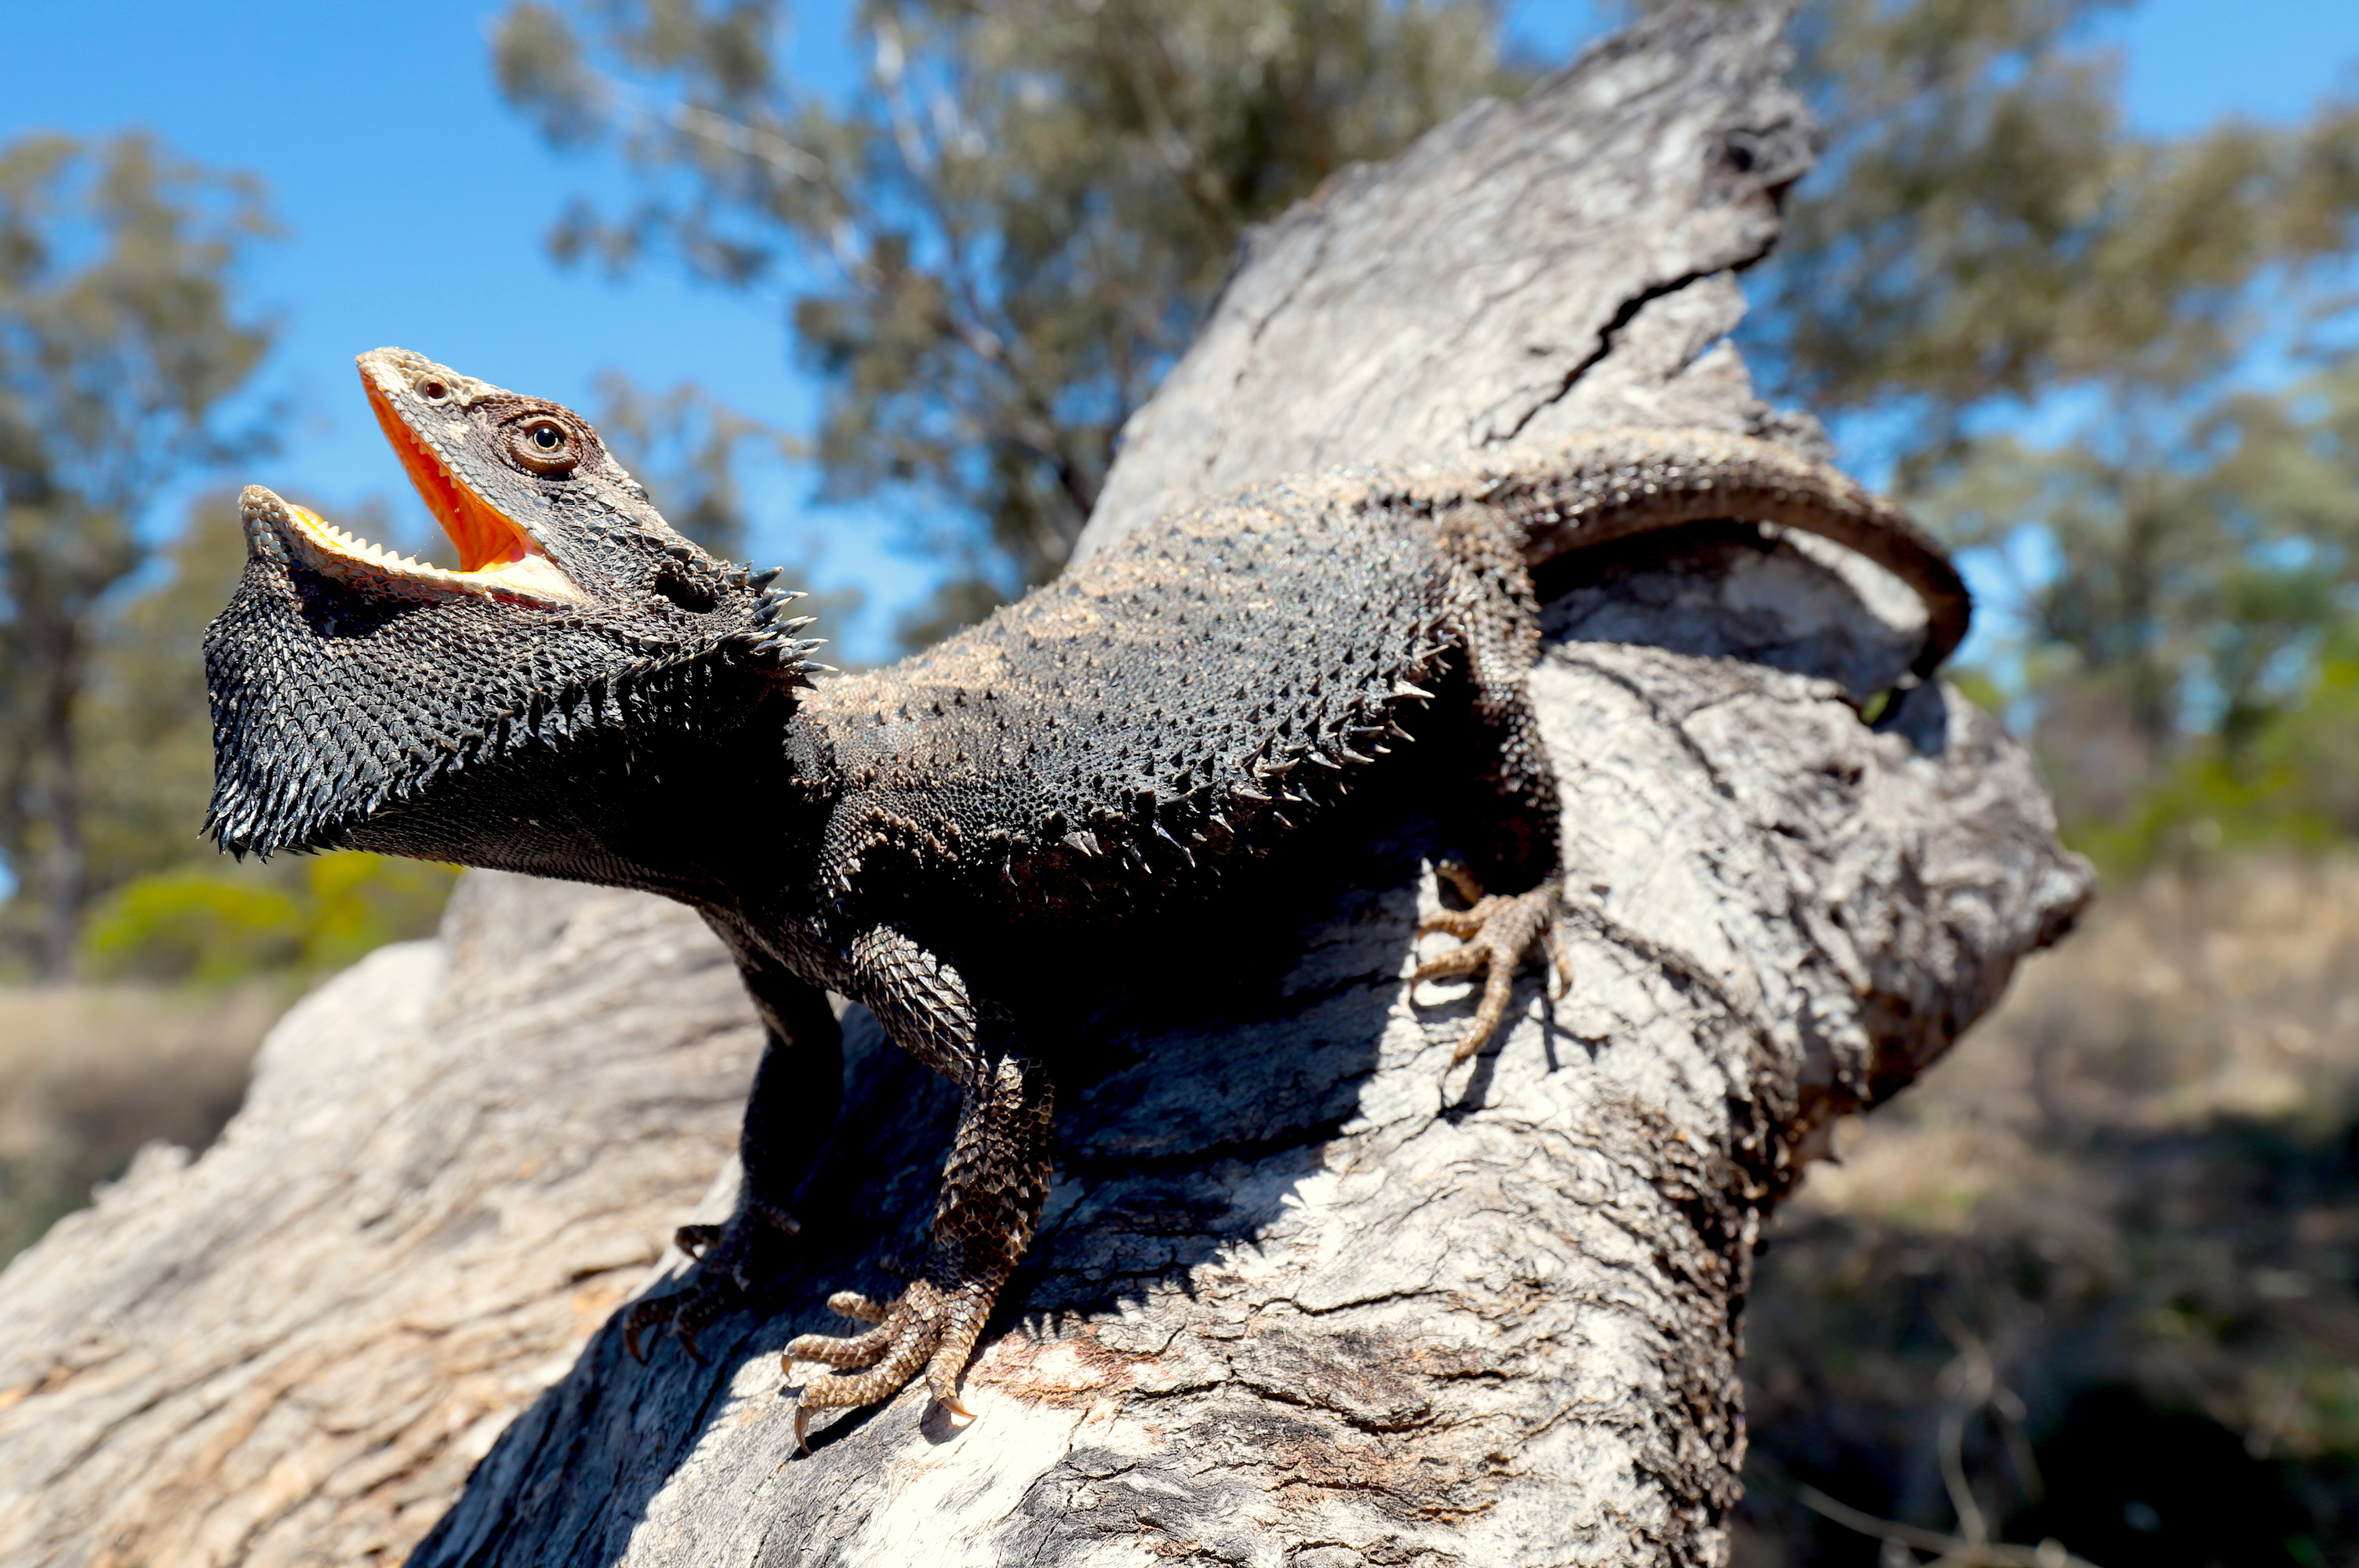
363,698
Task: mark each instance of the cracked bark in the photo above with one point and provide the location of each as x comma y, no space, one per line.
1303,1295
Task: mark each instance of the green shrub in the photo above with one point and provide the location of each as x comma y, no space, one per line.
2290,781
216,923
356,903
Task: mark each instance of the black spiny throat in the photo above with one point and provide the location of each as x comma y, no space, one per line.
355,691
590,696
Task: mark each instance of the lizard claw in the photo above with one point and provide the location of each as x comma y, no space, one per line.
1497,932
727,1252
685,1315
993,1188
929,1324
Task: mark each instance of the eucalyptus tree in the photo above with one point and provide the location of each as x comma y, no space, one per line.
121,343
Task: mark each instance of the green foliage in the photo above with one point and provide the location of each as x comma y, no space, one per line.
1984,229
2183,616
2292,779
118,346
353,903
2192,567
997,249
193,924
307,915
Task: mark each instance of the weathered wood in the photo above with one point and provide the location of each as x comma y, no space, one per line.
1303,1295
455,1161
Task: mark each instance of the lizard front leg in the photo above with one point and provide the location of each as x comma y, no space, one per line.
993,1188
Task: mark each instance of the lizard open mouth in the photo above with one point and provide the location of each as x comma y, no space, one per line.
330,551
485,539
496,556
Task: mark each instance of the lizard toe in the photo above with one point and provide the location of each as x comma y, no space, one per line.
683,1315
1497,935
696,1239
930,1325
734,1259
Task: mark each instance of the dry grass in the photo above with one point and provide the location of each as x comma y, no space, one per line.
2182,1004
89,1074
2133,1192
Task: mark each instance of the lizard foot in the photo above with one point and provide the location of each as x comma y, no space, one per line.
930,1325
728,1254
1497,932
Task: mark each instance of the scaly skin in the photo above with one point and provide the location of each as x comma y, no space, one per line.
594,697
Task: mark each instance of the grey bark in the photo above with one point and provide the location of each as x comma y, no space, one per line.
1304,1294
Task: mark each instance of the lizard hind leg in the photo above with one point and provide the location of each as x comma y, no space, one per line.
1496,933
1491,611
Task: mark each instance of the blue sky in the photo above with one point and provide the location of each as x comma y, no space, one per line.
416,204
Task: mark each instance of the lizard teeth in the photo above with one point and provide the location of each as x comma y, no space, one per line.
341,554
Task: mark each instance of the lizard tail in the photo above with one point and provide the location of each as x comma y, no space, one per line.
1625,481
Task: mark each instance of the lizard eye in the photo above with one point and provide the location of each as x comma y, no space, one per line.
433,391
545,446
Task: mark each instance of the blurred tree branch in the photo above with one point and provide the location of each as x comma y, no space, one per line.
1985,227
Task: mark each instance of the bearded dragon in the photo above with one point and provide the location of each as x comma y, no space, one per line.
589,695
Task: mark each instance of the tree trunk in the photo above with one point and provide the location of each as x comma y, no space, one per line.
64,881
1304,1294
41,783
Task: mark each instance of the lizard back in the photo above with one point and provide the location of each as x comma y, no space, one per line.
1152,705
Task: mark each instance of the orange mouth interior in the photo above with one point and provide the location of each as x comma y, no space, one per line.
483,536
